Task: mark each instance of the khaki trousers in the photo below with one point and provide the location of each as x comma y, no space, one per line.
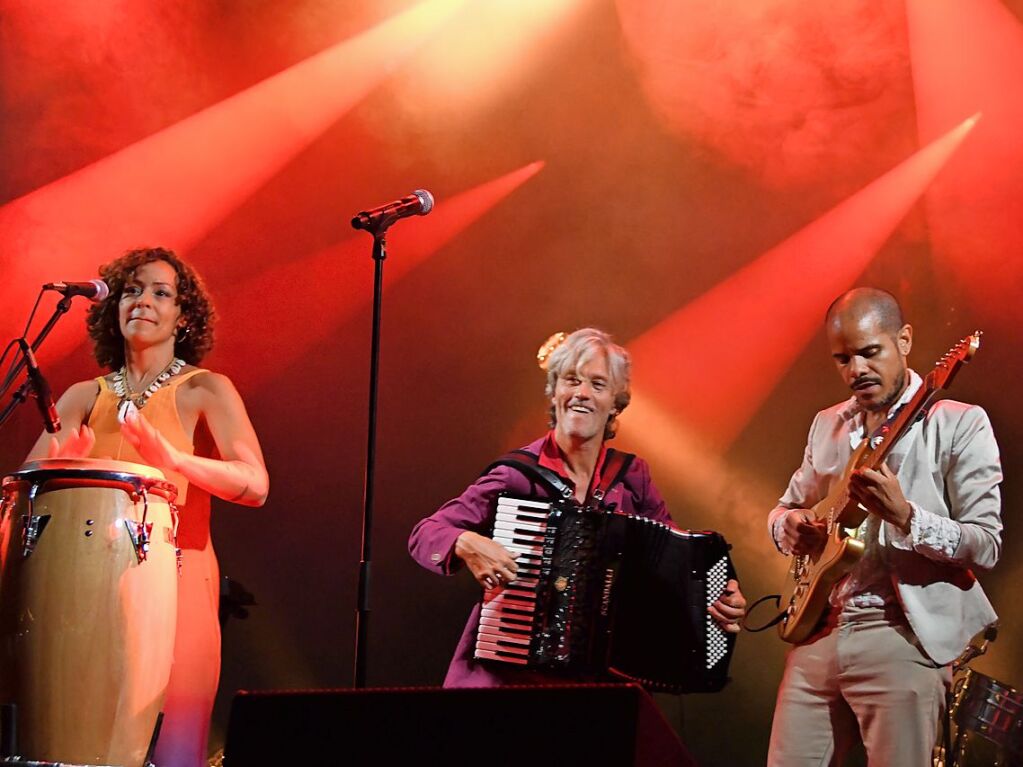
863,676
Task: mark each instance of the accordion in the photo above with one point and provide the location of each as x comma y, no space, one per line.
602,594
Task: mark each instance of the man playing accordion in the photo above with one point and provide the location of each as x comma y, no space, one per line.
587,387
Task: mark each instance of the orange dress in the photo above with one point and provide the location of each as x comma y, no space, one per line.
196,670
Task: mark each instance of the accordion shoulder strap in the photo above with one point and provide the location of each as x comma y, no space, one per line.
528,464
616,464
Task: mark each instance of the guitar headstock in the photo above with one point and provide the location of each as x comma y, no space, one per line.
953,359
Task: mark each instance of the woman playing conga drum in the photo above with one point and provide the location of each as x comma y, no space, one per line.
156,407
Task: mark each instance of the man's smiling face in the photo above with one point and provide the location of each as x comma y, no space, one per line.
584,400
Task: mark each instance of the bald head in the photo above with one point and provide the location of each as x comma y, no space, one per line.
859,303
869,344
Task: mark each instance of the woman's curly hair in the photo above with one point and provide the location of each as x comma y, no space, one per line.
194,339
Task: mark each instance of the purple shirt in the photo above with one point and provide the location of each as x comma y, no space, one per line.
432,545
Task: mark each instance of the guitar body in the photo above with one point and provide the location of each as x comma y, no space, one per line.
809,585
812,577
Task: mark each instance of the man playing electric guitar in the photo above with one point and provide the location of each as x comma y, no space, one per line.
876,665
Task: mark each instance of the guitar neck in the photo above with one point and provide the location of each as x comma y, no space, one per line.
878,444
883,439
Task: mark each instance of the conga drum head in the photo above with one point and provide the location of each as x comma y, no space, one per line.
88,603
90,464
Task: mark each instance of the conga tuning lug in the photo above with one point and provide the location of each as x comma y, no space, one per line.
139,532
34,526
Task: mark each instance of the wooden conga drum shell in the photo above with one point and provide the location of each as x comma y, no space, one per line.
86,628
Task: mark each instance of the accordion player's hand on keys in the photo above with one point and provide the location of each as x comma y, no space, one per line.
489,562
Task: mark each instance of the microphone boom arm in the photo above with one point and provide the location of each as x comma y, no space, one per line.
22,393
59,311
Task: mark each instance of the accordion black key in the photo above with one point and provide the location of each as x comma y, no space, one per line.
601,594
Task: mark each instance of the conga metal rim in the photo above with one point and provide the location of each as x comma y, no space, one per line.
143,479
103,464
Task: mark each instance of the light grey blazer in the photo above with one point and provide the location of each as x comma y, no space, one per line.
948,464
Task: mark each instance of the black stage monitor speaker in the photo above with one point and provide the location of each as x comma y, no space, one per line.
564,725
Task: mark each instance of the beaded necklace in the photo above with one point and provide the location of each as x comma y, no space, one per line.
128,395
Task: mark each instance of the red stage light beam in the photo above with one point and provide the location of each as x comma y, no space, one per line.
337,282
717,493
715,361
174,186
483,55
968,56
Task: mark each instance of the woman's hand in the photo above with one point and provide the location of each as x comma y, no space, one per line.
151,445
78,443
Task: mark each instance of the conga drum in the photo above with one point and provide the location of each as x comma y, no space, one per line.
88,597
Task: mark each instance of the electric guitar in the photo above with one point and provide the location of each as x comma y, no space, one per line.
812,576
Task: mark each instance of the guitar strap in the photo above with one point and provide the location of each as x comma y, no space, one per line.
616,465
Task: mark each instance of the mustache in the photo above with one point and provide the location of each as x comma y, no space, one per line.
864,380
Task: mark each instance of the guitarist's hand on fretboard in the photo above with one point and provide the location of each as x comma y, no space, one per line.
800,534
880,493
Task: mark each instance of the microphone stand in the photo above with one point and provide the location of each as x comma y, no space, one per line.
22,393
379,233
376,221
19,396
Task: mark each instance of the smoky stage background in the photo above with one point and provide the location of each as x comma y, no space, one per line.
698,178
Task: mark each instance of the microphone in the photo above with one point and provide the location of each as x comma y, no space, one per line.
44,397
419,203
94,290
